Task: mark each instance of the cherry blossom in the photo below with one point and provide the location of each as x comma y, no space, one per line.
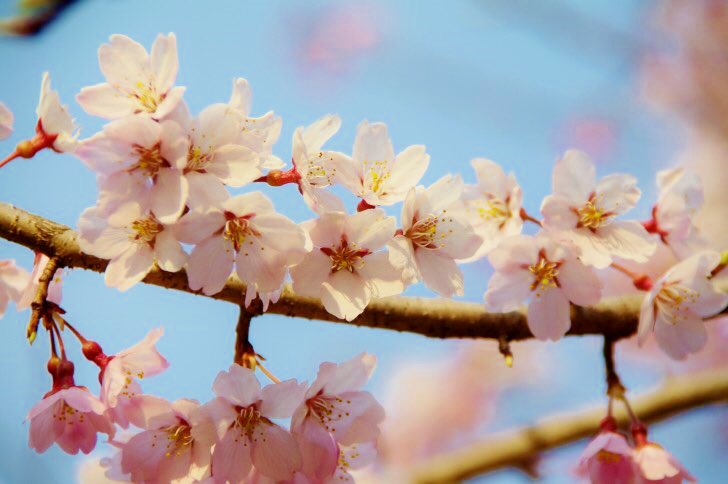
245,232
680,198
136,83
608,457
434,234
346,269
13,281
169,448
374,173
316,169
55,288
493,205
216,155
133,240
546,272
353,458
258,134
56,128
336,411
585,212
241,416
677,303
119,389
70,417
6,122
653,464
151,154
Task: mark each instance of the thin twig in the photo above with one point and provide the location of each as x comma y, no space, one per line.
39,306
243,348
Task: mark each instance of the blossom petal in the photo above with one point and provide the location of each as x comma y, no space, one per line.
231,458
237,385
210,264
168,252
344,295
130,267
579,283
440,272
275,454
164,61
574,177
104,101
507,291
169,195
281,399
549,314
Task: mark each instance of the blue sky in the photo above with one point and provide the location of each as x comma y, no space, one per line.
468,78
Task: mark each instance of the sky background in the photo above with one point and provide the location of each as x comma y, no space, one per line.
514,81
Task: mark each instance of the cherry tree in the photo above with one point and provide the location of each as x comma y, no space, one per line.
165,216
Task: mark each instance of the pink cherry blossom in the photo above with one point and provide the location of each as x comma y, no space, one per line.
133,240
608,457
217,154
169,448
353,458
677,303
258,134
119,389
493,205
55,288
656,465
135,81
240,417
546,272
336,411
317,169
13,281
586,210
374,173
346,269
70,417
6,121
680,198
245,232
54,123
139,152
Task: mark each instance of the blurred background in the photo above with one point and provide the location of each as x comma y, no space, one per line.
638,85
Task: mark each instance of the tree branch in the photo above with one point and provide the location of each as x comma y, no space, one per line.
616,318
675,395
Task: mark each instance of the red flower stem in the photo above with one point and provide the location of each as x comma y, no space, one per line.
640,281
528,218
10,158
54,327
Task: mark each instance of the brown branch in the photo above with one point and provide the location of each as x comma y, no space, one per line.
675,395
615,318
243,348
40,305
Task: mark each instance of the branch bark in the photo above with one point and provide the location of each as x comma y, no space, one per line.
616,318
514,448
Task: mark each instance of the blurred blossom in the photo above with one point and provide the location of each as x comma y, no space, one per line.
440,405
592,134
333,39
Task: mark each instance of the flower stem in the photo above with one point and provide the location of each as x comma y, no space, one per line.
528,218
9,158
267,373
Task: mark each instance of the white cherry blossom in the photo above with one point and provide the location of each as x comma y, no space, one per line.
6,121
133,240
245,232
13,281
585,211
54,121
346,269
435,233
677,303
492,205
136,82
139,154
374,173
547,273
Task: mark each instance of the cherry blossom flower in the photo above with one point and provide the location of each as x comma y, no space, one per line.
55,288
245,232
316,169
586,210
677,303
119,389
133,240
346,269
680,198
136,83
152,154
608,457
241,417
70,417
6,122
258,134
353,458
169,448
336,411
216,155
56,128
547,272
653,464
13,281
374,173
493,205
434,234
